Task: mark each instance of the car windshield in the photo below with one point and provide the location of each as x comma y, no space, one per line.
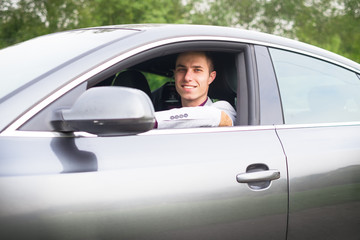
28,60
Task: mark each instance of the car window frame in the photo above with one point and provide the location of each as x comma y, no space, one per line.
245,59
270,105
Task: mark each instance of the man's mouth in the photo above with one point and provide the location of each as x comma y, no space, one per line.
188,87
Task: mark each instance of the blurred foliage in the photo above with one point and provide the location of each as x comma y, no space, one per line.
330,24
156,81
24,19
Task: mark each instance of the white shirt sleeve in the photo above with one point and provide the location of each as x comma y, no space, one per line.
188,117
208,115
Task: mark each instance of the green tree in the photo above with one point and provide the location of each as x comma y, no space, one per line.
235,13
330,24
110,12
29,18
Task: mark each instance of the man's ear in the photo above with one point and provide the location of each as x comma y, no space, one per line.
212,77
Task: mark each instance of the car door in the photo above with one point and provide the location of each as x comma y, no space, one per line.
158,185
321,140
213,183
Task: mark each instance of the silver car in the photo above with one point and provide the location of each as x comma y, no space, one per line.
79,158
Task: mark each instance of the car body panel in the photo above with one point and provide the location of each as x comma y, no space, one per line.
177,191
324,180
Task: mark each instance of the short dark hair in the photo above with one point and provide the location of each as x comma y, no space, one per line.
209,58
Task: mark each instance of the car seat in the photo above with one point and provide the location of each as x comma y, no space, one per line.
133,79
225,84
166,97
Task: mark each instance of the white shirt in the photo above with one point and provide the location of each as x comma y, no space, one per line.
208,115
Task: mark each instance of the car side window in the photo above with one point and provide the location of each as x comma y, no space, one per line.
315,91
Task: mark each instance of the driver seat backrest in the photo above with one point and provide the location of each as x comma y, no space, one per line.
223,87
133,79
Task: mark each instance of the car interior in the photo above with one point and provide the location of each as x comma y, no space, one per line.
165,97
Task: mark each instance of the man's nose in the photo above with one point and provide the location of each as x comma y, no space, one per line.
188,75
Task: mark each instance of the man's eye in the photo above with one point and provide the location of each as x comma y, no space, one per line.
198,70
180,69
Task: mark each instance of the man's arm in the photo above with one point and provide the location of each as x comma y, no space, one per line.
190,117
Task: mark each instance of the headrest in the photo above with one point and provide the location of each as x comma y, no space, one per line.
133,79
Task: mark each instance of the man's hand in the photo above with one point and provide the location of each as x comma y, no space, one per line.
225,120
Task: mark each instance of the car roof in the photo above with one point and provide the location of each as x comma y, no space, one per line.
155,32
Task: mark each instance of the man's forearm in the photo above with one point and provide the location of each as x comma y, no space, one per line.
188,117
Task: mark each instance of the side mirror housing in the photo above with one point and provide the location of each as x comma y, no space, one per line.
108,111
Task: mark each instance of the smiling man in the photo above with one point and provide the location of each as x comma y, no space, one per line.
194,72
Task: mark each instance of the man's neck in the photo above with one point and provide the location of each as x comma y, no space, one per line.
185,103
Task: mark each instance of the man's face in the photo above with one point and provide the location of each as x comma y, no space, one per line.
192,78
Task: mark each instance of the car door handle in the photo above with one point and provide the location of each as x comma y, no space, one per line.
260,176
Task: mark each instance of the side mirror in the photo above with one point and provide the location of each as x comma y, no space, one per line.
108,111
